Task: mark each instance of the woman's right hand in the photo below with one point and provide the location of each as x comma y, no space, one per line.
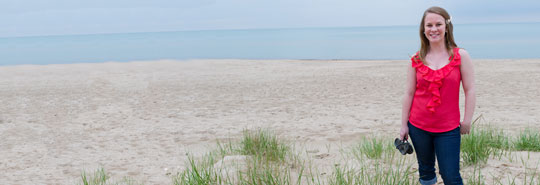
404,133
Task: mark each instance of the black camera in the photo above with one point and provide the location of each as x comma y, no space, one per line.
403,146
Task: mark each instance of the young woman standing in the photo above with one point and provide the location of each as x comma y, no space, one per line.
431,115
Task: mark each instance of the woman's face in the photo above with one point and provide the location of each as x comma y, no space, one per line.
434,27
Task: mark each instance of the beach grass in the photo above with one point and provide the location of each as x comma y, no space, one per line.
528,141
199,172
375,172
376,161
484,141
101,177
475,148
373,148
264,145
260,157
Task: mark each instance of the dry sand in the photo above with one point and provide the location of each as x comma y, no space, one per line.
137,119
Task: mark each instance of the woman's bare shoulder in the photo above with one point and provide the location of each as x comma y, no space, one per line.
463,53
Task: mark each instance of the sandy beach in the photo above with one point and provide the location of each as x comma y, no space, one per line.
140,119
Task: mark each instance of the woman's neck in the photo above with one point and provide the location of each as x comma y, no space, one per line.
437,47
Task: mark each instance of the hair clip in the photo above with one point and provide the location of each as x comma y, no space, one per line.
448,21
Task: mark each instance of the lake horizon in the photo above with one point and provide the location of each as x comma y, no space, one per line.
482,41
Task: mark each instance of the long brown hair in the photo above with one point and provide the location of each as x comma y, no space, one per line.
449,35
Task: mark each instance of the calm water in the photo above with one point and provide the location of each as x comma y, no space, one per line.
511,41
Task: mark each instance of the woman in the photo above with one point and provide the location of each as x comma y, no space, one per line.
431,114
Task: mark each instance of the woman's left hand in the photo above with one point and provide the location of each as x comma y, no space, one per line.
464,128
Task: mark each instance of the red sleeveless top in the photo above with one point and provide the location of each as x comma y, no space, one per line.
435,106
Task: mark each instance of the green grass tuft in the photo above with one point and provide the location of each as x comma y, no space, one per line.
100,177
265,173
479,144
266,163
265,145
528,141
198,173
383,166
373,148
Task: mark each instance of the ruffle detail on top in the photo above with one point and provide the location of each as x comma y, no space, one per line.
435,77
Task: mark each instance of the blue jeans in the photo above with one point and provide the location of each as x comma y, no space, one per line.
445,146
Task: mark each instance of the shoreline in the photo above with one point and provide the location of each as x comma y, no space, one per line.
233,59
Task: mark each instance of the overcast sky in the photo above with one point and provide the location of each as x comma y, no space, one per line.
61,17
